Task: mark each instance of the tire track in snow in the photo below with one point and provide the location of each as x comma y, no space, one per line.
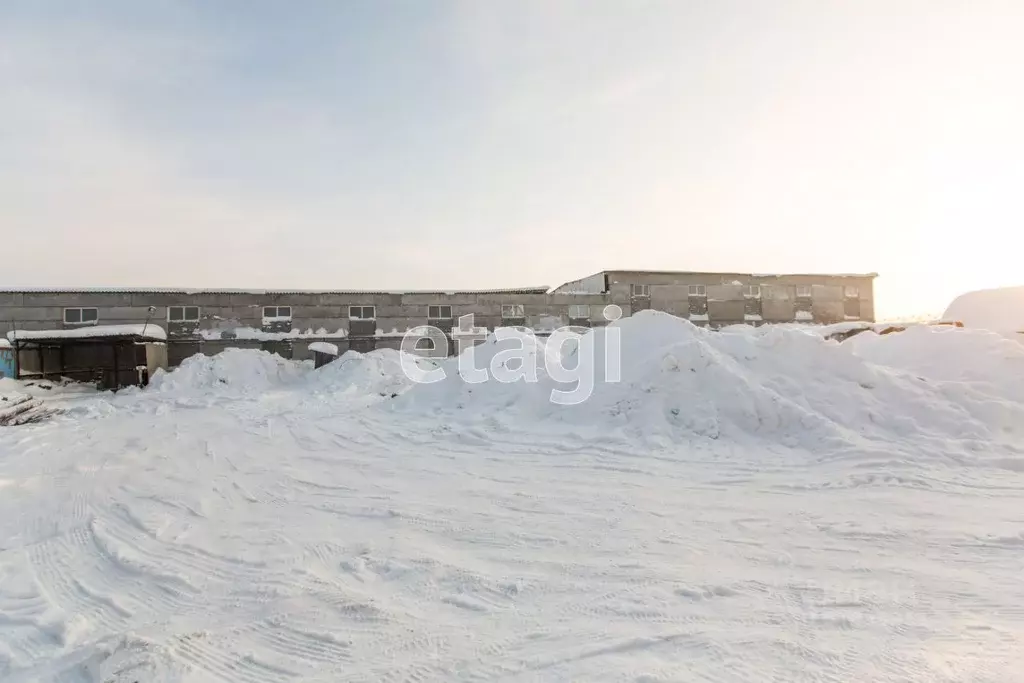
224,665
141,578
314,650
60,567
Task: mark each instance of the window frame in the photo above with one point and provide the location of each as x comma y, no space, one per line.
439,308
697,291
81,317
749,291
277,313
848,288
577,308
518,311
808,288
639,290
373,312
184,315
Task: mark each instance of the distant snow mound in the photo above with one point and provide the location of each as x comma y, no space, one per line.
231,370
946,353
1000,310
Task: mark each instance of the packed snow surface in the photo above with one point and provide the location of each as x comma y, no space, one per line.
742,505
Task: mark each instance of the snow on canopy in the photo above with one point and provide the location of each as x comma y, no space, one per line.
324,347
149,331
1000,310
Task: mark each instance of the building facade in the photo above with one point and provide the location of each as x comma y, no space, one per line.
207,321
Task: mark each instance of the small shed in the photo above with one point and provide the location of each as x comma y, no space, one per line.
112,356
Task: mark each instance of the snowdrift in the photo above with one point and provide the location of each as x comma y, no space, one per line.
774,385
1000,310
377,373
230,371
241,372
659,379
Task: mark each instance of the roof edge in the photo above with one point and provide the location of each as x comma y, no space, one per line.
258,292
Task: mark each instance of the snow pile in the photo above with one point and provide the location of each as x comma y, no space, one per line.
790,386
1001,310
488,377
232,370
343,383
376,373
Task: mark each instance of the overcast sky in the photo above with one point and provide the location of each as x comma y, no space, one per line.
487,143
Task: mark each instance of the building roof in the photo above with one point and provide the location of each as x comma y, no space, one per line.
221,290
732,274
148,332
712,274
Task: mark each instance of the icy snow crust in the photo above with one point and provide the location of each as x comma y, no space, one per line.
745,505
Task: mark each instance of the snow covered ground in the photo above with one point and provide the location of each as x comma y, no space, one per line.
745,505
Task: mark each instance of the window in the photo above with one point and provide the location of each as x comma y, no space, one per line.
752,291
803,291
424,344
439,312
81,316
852,292
697,290
512,311
183,314
639,290
579,312
362,312
277,312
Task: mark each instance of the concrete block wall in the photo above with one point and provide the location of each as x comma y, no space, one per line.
724,304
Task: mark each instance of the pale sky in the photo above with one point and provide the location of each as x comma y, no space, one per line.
486,143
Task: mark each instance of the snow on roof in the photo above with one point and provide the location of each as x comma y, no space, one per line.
4,344
324,347
150,331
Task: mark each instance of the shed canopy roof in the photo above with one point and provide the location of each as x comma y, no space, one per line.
148,332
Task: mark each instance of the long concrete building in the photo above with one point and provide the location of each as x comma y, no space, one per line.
286,321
